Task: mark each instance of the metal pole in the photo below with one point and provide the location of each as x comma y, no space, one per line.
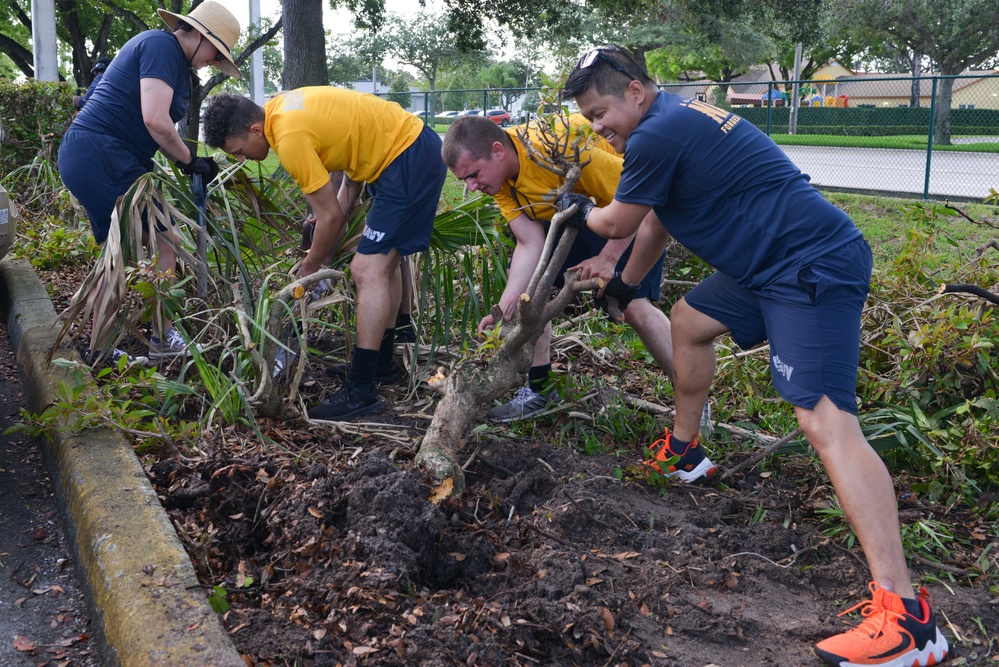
792,125
43,37
256,59
929,138
201,217
770,97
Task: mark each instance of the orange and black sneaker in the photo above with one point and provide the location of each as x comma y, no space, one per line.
692,466
888,636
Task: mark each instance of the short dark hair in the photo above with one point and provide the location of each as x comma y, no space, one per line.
229,116
473,135
610,69
100,65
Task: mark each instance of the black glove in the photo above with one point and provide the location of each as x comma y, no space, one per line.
308,231
205,166
583,205
620,290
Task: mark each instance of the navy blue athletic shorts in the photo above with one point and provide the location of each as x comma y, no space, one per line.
589,244
811,318
404,199
98,169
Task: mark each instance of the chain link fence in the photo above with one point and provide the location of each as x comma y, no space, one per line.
931,137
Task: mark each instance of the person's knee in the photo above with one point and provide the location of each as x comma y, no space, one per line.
684,323
825,426
644,316
370,270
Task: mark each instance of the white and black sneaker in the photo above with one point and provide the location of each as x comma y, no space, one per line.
172,345
525,404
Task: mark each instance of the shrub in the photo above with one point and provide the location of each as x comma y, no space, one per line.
35,115
928,363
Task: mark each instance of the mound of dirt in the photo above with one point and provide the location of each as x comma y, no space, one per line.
551,558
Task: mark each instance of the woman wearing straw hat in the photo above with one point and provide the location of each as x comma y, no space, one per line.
133,113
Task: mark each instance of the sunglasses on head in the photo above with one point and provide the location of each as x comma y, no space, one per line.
590,58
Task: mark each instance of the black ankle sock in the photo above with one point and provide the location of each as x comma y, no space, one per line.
913,608
678,446
362,369
403,320
386,352
537,377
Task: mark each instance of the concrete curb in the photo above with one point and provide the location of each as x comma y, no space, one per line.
147,604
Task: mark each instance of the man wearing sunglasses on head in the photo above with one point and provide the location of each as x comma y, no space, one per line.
792,269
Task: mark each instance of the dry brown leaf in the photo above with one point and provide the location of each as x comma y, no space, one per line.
24,644
608,618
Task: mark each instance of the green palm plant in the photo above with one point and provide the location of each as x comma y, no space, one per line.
247,316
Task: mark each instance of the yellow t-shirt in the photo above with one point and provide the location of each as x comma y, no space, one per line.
531,194
319,129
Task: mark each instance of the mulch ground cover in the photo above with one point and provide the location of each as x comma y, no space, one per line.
333,549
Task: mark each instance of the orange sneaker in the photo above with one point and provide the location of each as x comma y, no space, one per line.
888,635
691,465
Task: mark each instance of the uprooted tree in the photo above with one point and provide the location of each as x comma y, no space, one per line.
504,357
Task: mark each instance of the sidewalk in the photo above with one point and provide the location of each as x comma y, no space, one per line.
147,606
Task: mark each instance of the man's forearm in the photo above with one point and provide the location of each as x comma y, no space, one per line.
328,232
614,248
650,241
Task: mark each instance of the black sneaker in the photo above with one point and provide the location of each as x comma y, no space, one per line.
383,378
405,334
346,402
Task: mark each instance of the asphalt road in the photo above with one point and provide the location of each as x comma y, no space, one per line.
43,616
952,173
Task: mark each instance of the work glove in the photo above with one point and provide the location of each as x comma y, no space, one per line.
619,290
308,231
205,166
583,206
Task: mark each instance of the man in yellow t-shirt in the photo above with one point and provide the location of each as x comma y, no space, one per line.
318,130
496,162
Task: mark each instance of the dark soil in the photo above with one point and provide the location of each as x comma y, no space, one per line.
333,550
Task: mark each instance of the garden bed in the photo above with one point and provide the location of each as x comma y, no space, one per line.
326,547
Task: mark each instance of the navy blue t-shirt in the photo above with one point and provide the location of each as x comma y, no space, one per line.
727,192
115,106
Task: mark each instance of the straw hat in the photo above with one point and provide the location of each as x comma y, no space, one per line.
218,26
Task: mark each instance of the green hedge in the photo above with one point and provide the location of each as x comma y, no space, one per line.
871,121
34,115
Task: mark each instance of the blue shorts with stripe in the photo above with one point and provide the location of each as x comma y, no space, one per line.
588,244
811,317
404,200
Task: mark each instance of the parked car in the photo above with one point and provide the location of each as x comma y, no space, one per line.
499,116
470,112
447,114
425,116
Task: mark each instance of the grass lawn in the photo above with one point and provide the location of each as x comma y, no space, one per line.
910,141
883,221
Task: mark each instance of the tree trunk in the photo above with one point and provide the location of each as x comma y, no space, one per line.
941,120
304,45
914,94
